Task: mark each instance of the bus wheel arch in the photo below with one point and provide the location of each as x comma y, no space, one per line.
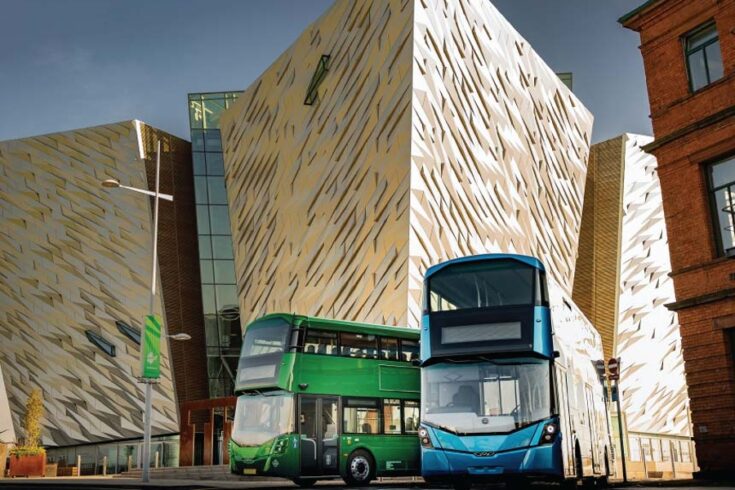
360,469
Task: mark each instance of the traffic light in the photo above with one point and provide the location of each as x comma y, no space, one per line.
613,367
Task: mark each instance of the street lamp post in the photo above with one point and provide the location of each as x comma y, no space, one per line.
111,183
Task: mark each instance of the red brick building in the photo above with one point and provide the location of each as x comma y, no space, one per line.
688,50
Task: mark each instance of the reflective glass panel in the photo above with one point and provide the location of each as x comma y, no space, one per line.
205,247
200,190
200,167
212,140
714,61
203,219
197,140
207,272
701,37
226,296
216,190
220,220
212,110
208,299
697,69
195,113
224,272
222,247
723,173
215,164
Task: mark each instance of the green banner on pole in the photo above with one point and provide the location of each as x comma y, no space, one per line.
150,352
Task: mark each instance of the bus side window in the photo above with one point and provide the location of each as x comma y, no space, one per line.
391,416
360,416
320,342
411,416
409,350
359,345
389,348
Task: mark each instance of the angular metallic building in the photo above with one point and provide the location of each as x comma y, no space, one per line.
622,284
75,260
392,135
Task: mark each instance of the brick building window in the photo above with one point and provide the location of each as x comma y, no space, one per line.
730,335
704,60
722,196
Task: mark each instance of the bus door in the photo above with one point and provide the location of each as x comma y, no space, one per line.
318,423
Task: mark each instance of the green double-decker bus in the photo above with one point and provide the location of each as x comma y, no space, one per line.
320,399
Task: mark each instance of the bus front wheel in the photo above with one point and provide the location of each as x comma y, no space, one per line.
360,468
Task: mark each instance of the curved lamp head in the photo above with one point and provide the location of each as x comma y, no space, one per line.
110,183
180,336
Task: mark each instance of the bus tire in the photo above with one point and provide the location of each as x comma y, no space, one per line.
461,484
360,468
304,482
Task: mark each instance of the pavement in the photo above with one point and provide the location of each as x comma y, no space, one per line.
97,483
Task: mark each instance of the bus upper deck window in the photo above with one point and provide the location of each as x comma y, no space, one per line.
320,342
389,348
409,350
359,345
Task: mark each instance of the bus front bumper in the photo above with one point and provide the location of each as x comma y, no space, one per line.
538,461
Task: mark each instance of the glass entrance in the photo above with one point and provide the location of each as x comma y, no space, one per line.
318,423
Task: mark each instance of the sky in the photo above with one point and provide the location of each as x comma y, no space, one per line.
69,64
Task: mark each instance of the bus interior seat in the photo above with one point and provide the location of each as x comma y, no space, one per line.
309,349
322,349
366,429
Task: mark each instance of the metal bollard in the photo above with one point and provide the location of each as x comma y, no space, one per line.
104,466
158,459
79,465
130,462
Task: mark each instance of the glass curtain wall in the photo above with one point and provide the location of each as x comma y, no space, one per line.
219,291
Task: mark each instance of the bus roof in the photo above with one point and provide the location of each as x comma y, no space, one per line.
532,261
345,326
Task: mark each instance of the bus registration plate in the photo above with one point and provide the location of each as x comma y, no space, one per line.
249,471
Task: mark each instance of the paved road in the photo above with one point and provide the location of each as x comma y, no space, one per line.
107,484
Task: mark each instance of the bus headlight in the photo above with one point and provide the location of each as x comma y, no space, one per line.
280,446
424,438
549,433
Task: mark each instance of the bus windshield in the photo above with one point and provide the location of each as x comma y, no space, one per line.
260,418
265,337
487,396
481,285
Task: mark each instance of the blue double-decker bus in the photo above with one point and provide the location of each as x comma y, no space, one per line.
509,386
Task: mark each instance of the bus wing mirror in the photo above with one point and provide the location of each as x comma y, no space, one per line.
556,354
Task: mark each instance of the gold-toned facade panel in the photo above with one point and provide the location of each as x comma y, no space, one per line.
318,193
622,284
654,389
598,263
499,145
75,258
